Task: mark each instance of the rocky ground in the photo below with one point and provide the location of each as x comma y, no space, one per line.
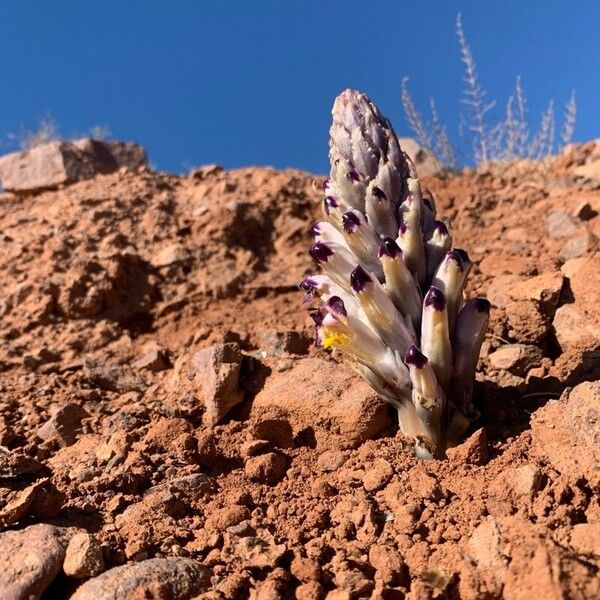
167,430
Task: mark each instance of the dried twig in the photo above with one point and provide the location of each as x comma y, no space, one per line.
474,97
47,131
569,121
507,140
543,141
414,119
443,145
521,115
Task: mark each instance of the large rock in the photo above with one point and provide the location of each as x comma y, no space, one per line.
543,289
427,165
566,432
324,400
578,322
64,425
30,559
113,377
589,172
516,358
41,499
526,321
590,169
157,578
572,327
56,163
561,224
83,557
213,375
518,560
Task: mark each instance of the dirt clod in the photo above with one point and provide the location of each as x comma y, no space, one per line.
267,468
64,425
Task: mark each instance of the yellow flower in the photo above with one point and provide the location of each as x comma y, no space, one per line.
334,338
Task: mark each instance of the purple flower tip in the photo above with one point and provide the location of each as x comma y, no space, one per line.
435,298
456,257
464,257
359,279
315,230
402,228
326,182
320,252
329,203
440,227
353,176
389,248
414,357
482,305
308,284
336,305
351,222
379,194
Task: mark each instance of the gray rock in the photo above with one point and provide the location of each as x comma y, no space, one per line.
60,162
561,224
154,360
158,578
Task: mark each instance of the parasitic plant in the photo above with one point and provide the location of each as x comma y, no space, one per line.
391,289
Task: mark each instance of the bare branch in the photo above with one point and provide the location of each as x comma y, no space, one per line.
569,120
474,96
443,146
542,143
414,119
512,130
492,140
521,102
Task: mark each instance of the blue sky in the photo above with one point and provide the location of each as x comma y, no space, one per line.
251,82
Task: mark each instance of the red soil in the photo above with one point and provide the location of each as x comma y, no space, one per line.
305,489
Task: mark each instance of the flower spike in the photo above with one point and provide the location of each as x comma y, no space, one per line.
390,298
